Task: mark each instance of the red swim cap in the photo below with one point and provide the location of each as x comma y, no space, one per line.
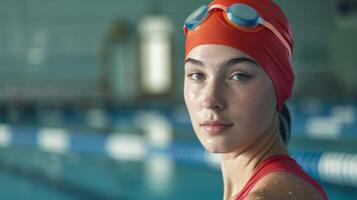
261,44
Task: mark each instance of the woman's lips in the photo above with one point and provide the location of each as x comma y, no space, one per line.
215,127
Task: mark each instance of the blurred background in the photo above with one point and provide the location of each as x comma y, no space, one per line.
91,103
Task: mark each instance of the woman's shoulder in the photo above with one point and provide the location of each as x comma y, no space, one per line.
283,185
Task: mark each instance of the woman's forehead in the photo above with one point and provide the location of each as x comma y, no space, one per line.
217,55
216,52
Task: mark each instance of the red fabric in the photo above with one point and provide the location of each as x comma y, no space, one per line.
279,163
261,44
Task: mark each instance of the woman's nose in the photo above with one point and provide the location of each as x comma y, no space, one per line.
214,97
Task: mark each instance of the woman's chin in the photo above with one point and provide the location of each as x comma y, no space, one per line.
215,148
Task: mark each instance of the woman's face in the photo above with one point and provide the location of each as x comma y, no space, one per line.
230,98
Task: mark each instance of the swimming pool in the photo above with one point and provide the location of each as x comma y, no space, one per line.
29,173
56,163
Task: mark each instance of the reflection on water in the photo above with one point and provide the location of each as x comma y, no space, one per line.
27,173
159,175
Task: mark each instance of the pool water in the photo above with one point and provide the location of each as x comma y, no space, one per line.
28,173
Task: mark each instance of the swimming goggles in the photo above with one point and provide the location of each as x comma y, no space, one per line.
241,16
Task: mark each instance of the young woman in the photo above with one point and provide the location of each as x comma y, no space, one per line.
237,77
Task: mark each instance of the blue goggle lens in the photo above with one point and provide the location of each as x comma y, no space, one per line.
243,15
196,18
240,14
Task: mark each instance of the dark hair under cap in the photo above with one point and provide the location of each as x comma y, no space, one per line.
285,124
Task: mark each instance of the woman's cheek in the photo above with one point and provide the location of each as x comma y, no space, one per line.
261,107
192,94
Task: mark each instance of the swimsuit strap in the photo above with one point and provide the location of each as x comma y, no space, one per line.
278,163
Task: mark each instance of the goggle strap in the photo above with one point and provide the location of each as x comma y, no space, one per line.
218,6
277,34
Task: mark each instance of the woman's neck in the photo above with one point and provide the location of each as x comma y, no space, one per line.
237,167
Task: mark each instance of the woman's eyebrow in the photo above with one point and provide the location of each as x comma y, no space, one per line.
194,61
235,61
230,62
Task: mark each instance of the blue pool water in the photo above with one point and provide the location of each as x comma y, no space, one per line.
28,173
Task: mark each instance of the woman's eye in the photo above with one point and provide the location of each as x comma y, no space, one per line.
196,76
240,77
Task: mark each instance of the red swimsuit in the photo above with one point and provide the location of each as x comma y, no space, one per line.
278,163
